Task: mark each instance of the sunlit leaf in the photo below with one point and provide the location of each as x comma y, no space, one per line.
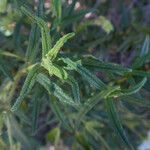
54,51
105,24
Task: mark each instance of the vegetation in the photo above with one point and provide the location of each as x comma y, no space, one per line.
73,77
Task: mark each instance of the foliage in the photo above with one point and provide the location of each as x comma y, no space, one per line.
62,86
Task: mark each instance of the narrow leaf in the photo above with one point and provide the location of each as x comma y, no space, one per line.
34,38
74,17
90,128
75,89
146,46
36,108
144,55
136,100
141,73
54,51
54,135
46,38
55,90
4,69
93,101
134,89
59,114
9,130
113,116
87,75
105,24
93,62
54,69
57,8
28,84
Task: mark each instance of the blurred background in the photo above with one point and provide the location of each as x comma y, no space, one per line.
113,31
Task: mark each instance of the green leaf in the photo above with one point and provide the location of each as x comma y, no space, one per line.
87,75
70,9
113,116
4,69
93,62
3,5
93,101
33,43
74,17
54,136
41,23
81,139
139,61
18,134
87,107
141,73
105,24
9,129
54,51
90,127
144,55
54,69
136,100
59,114
131,90
36,108
75,89
46,38
27,86
134,89
57,8
34,38
146,46
55,90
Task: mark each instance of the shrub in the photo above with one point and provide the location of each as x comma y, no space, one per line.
57,89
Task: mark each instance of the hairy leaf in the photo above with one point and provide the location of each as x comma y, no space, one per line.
75,89
55,90
93,62
54,69
27,86
34,38
87,75
54,51
46,38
